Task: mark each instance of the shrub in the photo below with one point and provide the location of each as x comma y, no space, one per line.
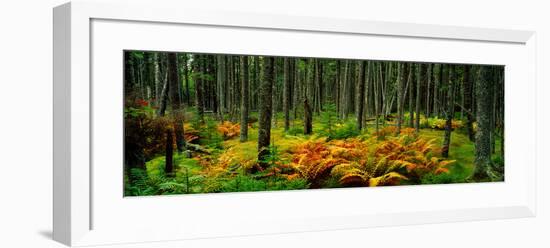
343,131
314,159
229,130
294,131
413,154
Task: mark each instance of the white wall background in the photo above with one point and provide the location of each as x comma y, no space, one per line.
26,122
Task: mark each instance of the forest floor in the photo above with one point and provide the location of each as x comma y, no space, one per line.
228,165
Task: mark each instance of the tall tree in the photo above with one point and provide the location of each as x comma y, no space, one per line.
468,102
198,76
308,118
221,85
429,82
376,94
286,92
449,112
186,75
163,95
177,111
482,162
411,113
265,108
435,110
244,98
360,94
400,83
344,93
419,68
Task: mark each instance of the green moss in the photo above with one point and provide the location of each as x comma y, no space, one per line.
192,177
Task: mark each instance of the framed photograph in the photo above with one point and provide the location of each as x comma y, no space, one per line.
173,123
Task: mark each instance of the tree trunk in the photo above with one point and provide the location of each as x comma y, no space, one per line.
468,102
308,125
435,110
429,81
221,83
244,98
163,96
376,95
449,113
419,68
156,79
198,78
175,100
286,92
482,160
400,83
265,108
186,75
360,94
344,94
411,113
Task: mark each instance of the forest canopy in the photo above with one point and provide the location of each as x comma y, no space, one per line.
205,123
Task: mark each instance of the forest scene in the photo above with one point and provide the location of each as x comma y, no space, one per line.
211,123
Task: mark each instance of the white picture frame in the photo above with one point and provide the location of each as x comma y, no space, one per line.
87,211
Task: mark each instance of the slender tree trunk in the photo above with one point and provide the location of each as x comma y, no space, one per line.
344,94
482,160
376,97
419,68
436,90
360,93
400,82
169,158
449,112
156,79
429,80
308,125
244,98
175,100
286,92
265,107
297,93
163,96
198,78
411,113
186,75
468,102
338,86
220,85
367,91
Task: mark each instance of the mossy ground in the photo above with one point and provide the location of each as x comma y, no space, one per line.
461,150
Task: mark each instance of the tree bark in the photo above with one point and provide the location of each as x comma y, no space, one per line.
376,95
175,100
429,82
449,113
468,102
244,98
198,78
221,86
308,125
286,92
411,113
435,110
265,108
482,160
360,94
419,68
400,83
